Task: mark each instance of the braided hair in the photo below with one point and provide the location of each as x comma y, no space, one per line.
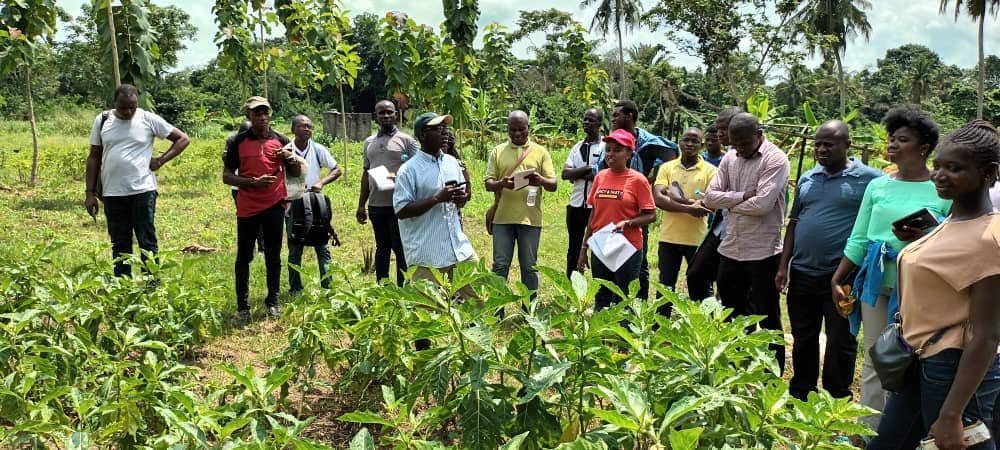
981,140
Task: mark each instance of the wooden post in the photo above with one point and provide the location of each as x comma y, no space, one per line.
864,154
114,45
802,155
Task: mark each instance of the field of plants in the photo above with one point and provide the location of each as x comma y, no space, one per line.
91,361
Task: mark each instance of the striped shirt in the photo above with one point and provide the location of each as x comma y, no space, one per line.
753,227
434,238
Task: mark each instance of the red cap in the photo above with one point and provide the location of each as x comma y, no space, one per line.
623,137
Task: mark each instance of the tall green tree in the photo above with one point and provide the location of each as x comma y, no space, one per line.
620,15
832,22
129,42
977,10
25,25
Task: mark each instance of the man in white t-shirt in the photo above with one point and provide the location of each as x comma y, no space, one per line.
316,157
580,169
120,171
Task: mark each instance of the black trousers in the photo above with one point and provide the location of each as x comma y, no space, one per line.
809,305
670,256
576,225
270,224
260,237
128,215
748,287
387,242
644,265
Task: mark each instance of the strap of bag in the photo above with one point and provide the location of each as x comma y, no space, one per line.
307,210
496,195
933,340
324,210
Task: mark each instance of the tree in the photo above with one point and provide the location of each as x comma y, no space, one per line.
234,39
977,10
831,22
173,29
26,25
620,15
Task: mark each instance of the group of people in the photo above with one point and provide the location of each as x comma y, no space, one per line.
846,260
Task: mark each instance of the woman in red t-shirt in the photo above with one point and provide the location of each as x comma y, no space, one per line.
622,197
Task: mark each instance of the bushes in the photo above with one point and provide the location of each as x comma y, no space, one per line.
551,373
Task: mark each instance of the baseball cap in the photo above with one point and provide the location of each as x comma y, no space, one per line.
623,137
256,102
430,118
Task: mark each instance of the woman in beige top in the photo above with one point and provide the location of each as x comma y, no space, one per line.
949,286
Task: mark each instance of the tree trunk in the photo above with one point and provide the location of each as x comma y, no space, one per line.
34,126
841,83
343,119
621,52
982,68
113,37
263,50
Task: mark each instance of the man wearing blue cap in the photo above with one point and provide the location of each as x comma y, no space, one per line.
429,193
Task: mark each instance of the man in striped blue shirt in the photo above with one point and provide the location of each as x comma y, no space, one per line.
429,193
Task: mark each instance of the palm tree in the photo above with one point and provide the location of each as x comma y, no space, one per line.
834,21
619,14
976,10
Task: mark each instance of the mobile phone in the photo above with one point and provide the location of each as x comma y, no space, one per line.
920,220
453,183
973,434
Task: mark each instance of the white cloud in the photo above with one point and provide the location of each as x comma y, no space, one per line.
894,23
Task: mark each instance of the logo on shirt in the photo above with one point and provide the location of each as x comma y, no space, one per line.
615,194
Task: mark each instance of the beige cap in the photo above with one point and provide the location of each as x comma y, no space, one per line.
256,102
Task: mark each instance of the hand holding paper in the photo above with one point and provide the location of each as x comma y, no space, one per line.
383,178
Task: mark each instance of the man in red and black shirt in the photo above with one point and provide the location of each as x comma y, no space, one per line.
258,157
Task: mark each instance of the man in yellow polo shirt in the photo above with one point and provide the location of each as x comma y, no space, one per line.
518,218
679,184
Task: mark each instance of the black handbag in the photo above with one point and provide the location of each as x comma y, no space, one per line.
893,358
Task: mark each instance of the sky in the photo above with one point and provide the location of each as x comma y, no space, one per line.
894,23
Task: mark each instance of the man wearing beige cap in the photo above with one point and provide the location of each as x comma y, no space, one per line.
260,159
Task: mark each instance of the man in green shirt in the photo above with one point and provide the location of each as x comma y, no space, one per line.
518,218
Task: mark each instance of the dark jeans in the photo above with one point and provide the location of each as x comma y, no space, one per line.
260,237
644,265
526,239
809,305
748,288
295,258
576,225
128,215
909,414
271,224
670,256
387,242
622,277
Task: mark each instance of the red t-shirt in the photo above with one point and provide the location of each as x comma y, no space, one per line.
258,157
620,196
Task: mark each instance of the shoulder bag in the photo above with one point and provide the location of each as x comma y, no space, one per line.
893,359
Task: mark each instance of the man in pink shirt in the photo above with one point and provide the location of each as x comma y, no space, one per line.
751,183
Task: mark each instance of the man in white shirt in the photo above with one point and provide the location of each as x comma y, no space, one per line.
316,157
580,169
120,171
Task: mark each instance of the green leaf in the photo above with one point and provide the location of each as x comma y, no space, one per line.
515,442
78,441
616,418
543,379
685,439
364,417
481,419
362,441
810,116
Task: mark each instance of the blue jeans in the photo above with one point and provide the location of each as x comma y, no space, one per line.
128,215
621,278
526,237
909,414
295,258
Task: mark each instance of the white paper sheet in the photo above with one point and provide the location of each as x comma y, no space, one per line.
612,248
521,178
382,179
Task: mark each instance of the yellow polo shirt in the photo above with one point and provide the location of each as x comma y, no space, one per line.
681,228
513,208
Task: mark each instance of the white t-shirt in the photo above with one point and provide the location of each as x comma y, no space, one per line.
317,156
128,148
995,196
575,160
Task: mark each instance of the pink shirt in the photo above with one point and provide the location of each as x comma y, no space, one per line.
753,227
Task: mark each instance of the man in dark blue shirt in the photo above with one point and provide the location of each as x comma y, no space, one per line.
827,200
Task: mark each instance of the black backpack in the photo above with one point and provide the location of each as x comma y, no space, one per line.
310,221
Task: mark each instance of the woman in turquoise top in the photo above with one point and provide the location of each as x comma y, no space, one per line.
874,242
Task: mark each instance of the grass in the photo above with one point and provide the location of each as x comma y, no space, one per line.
195,208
